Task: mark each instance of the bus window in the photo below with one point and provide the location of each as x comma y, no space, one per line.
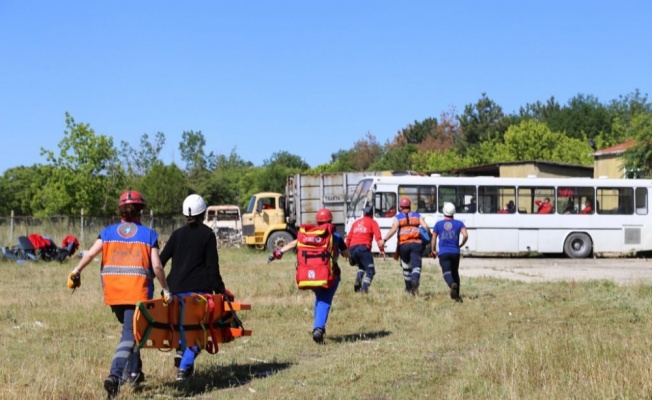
384,204
641,201
536,200
422,197
463,197
496,199
619,201
575,200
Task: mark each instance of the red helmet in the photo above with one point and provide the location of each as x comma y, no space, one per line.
324,215
131,197
405,203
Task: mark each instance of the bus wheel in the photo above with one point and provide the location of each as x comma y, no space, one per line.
278,239
578,245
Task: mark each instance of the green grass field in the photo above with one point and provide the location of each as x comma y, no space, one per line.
508,340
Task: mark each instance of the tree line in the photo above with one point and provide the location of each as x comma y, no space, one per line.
90,171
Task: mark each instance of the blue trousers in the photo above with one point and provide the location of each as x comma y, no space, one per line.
323,301
126,356
411,263
366,268
450,268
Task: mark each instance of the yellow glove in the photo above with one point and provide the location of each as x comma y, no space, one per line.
167,296
74,280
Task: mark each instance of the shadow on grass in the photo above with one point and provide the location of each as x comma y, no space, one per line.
223,377
356,337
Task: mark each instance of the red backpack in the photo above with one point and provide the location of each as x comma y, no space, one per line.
315,256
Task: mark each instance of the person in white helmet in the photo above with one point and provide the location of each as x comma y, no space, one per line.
448,230
195,267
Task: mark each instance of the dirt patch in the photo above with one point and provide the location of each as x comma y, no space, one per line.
620,270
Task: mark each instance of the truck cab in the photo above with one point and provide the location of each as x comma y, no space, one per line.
264,223
226,222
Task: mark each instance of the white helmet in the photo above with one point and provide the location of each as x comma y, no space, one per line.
449,209
193,205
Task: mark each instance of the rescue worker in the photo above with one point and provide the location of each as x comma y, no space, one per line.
323,296
130,259
448,230
409,245
195,267
359,241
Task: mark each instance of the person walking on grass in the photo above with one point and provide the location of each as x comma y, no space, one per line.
130,259
335,246
359,241
195,268
448,230
409,245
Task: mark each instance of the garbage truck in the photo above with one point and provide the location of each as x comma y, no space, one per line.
272,220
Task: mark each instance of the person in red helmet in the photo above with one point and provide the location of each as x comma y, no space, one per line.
323,296
130,260
410,244
359,240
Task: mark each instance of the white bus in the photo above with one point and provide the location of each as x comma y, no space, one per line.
506,216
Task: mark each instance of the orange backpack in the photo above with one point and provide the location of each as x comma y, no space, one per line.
315,256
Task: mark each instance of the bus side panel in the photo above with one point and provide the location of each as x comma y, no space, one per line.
496,240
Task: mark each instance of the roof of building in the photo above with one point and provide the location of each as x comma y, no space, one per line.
615,149
493,169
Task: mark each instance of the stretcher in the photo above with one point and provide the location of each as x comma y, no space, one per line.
202,320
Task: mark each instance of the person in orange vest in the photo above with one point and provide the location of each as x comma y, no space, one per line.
359,240
588,207
130,259
544,206
410,245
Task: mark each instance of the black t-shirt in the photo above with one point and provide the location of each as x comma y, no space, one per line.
195,263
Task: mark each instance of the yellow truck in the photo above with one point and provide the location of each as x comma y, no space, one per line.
272,219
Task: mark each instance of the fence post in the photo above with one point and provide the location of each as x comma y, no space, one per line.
82,226
11,228
151,219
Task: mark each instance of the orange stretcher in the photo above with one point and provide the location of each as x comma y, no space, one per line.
202,320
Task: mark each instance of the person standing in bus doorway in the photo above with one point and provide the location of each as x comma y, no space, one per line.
544,206
409,246
448,230
359,241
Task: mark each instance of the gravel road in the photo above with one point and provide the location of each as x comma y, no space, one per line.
620,270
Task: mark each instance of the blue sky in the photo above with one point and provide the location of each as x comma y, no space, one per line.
306,77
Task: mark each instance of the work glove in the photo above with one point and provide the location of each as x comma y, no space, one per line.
167,296
74,279
276,255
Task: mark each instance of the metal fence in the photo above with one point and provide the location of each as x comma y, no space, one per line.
84,227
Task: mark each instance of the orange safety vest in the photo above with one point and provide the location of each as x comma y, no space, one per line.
408,228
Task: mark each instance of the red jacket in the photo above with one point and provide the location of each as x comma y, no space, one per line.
362,232
544,208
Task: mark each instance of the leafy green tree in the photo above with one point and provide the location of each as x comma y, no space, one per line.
273,175
164,188
139,161
440,161
192,148
531,140
419,131
86,174
20,186
397,157
482,121
583,117
637,160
